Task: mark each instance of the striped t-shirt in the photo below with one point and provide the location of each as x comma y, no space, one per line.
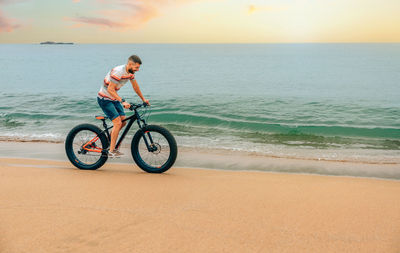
117,75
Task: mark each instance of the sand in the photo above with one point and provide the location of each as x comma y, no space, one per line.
49,206
227,160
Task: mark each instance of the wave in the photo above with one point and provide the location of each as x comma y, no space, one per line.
34,116
311,135
192,121
295,129
25,137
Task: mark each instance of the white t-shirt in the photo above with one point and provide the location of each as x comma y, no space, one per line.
117,75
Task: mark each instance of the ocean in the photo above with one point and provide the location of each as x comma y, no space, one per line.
319,101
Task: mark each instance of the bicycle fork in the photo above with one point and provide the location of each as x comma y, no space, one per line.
151,147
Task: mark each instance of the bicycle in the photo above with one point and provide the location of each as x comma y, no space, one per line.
153,147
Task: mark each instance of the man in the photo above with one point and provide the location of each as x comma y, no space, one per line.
111,103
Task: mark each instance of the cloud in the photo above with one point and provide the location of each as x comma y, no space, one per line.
142,12
6,24
126,14
96,21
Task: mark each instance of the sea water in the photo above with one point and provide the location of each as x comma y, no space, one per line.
329,101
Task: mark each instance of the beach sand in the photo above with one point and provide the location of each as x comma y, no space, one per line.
50,206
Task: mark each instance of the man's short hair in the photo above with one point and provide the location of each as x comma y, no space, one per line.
135,59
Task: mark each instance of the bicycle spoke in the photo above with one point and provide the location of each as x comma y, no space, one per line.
156,158
85,156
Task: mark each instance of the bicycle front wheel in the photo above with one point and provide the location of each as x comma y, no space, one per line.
154,149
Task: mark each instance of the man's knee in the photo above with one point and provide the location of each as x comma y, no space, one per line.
117,122
123,122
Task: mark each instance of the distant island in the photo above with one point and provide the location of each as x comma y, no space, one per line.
55,43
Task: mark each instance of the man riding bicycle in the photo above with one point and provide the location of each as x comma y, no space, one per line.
111,103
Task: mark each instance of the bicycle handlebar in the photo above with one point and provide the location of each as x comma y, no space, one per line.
135,106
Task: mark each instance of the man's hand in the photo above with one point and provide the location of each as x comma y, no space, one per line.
146,101
126,105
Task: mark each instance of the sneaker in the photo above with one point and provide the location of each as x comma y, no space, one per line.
114,154
118,152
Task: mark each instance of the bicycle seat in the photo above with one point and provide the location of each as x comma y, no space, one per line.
101,117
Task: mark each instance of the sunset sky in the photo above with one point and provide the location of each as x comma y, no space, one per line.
199,21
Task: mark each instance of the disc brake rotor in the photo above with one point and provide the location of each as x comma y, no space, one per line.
155,148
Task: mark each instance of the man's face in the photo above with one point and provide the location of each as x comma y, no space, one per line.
132,67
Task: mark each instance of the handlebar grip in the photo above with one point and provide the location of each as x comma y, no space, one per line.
134,106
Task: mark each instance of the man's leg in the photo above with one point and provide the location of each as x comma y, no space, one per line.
115,131
120,110
122,126
123,123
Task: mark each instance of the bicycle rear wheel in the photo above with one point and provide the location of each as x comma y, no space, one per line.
160,152
85,145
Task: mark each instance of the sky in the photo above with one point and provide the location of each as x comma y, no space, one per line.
199,21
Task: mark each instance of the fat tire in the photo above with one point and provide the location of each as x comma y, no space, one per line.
69,149
172,146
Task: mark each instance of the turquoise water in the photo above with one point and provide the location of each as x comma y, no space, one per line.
268,98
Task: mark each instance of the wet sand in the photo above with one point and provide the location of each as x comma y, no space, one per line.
226,160
49,206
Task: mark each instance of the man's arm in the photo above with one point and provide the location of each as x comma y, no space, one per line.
136,87
113,92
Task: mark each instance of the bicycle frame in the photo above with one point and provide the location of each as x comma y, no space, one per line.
135,117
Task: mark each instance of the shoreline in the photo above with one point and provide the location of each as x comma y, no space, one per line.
28,162
223,160
227,151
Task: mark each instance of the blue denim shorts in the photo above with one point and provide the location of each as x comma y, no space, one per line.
112,109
